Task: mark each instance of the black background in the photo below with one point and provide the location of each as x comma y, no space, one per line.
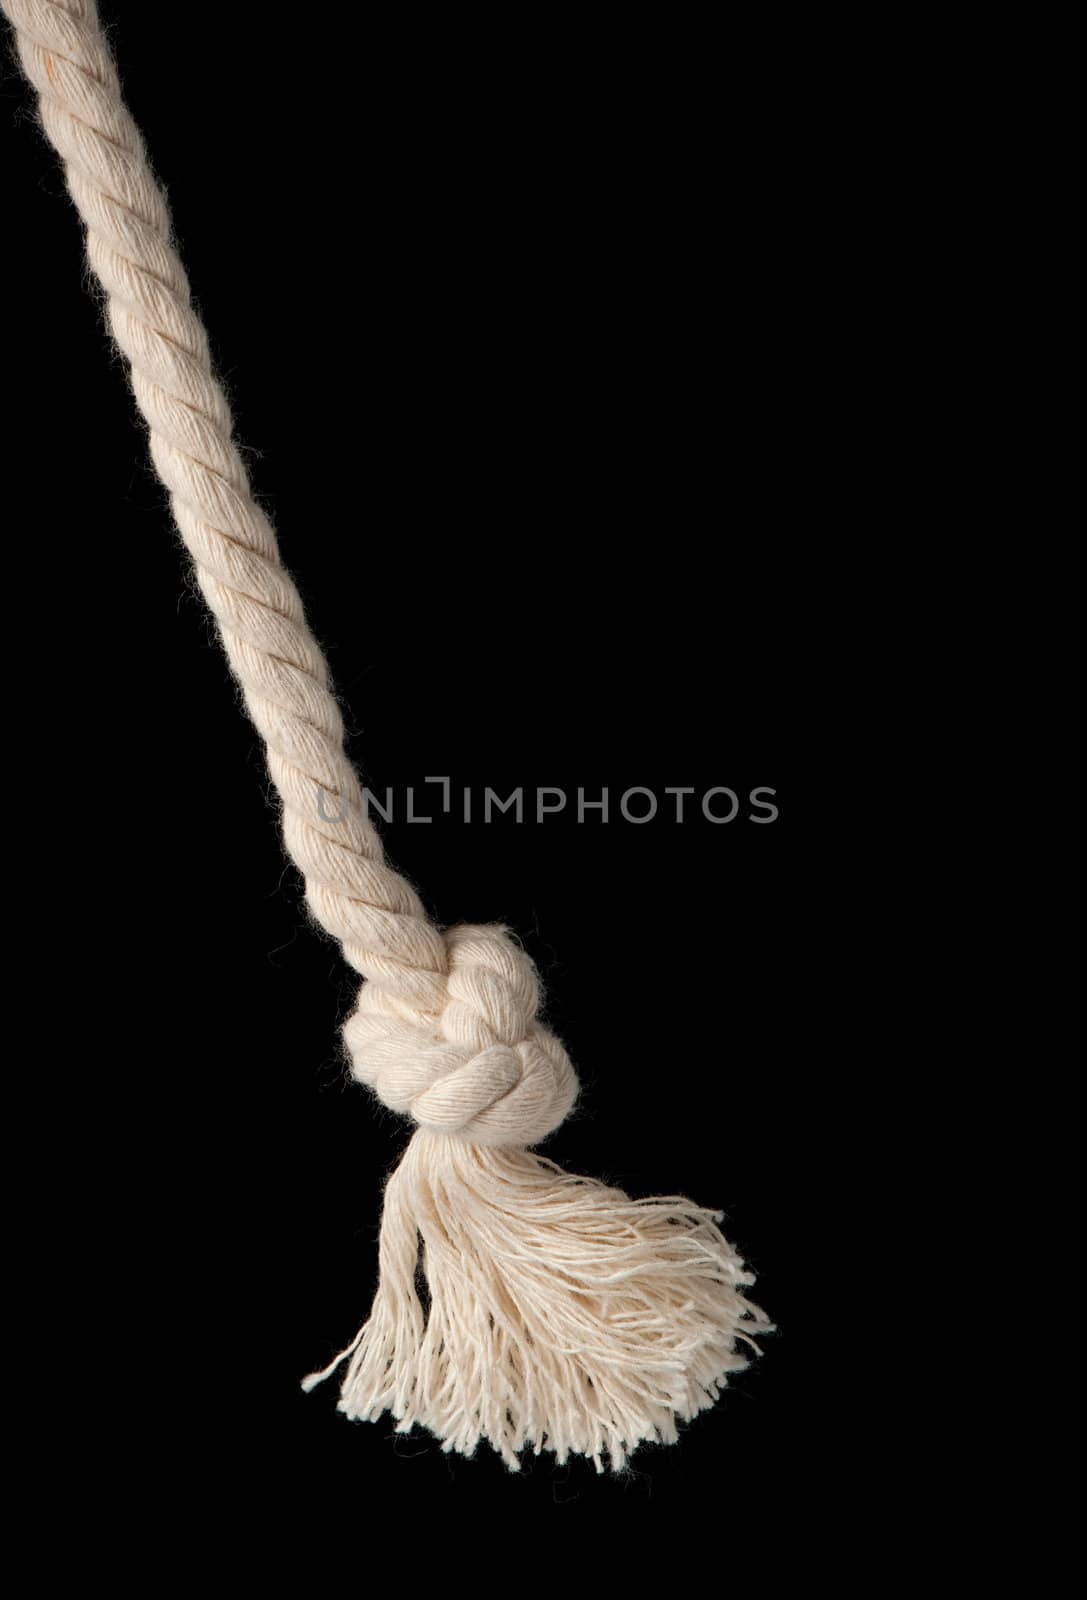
536,349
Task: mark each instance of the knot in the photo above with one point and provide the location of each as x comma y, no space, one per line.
471,1059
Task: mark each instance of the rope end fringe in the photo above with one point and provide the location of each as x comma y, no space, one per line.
560,1314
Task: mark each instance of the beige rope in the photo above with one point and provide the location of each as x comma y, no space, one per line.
562,1315
445,1027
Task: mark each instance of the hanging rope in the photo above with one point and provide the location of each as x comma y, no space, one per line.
561,1314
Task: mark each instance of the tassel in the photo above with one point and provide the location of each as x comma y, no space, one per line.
558,1315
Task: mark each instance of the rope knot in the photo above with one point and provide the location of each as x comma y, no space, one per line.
469,1057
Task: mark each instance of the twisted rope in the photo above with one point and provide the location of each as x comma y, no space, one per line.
445,1026
560,1314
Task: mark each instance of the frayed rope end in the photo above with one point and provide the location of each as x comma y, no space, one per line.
562,1315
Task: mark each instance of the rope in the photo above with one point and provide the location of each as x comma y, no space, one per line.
445,1027
559,1314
